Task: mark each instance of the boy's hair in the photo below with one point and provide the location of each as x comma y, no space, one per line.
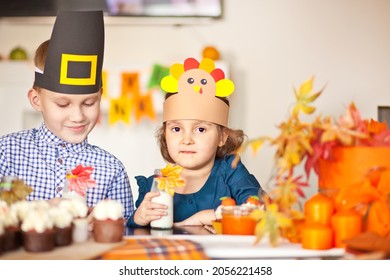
40,57
234,140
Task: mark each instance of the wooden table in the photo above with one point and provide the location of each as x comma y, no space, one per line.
76,251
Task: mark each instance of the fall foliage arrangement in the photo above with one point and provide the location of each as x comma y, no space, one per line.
311,143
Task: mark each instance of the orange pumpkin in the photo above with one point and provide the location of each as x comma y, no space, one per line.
319,209
317,237
346,224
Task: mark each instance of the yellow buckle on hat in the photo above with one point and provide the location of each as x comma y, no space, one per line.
78,58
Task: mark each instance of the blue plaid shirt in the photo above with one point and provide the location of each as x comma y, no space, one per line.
41,159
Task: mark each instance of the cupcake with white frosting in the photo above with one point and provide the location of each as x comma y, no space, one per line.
62,221
2,231
80,223
12,235
77,208
21,208
38,231
108,224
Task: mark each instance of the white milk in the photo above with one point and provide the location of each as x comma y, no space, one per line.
165,222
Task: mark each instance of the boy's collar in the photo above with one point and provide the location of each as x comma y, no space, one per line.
50,138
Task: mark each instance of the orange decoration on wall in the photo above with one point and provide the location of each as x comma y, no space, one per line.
130,84
317,237
346,224
319,209
143,107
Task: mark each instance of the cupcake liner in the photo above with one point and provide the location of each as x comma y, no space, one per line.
63,236
1,243
108,231
12,239
39,242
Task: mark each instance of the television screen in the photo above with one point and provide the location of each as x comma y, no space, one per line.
122,8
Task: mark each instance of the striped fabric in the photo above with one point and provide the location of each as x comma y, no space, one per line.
157,249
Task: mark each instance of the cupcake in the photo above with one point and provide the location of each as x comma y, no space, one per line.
38,231
108,224
80,223
62,221
12,234
1,236
21,208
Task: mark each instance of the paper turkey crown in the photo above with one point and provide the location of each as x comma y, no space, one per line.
197,87
74,58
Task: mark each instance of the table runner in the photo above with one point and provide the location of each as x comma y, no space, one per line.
157,249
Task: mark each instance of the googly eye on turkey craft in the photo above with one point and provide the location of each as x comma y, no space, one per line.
190,80
203,81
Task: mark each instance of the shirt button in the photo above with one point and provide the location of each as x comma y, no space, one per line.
63,145
59,189
60,160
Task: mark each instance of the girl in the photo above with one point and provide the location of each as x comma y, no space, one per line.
195,136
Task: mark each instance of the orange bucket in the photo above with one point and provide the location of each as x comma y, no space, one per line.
349,166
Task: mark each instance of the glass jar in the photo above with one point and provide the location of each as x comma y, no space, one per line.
71,194
165,222
237,220
6,182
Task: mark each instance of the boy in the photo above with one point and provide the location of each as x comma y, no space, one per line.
67,92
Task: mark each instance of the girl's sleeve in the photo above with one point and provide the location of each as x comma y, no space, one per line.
144,186
242,183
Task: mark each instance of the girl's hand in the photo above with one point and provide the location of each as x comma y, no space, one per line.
149,211
200,218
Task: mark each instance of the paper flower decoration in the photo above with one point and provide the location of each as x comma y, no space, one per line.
170,179
79,180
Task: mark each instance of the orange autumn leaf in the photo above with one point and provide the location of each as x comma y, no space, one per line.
170,179
350,197
378,219
375,175
375,127
383,185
